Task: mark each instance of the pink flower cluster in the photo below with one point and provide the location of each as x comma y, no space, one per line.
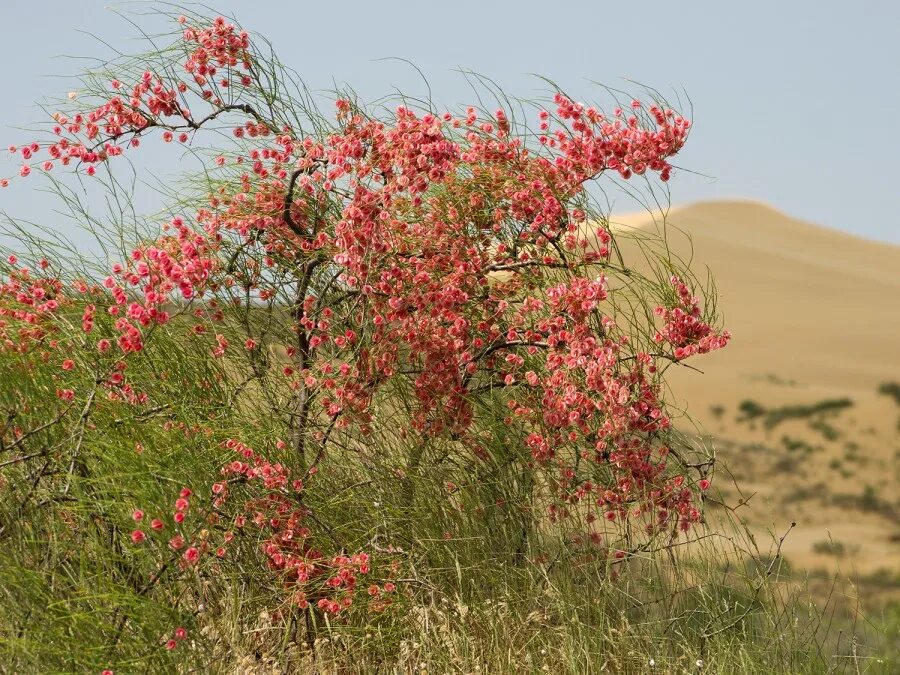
273,508
219,46
684,329
279,515
187,544
27,305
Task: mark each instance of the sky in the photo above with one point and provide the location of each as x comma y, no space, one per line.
794,103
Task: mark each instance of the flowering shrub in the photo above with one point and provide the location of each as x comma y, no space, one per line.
383,294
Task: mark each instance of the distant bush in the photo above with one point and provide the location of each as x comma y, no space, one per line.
827,431
776,416
830,547
891,389
794,444
751,410
868,500
772,417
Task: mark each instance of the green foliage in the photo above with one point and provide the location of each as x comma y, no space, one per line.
485,589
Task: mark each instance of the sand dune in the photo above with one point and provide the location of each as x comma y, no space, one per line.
815,315
802,301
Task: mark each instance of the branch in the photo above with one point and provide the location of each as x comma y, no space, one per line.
288,201
499,267
32,432
510,343
23,458
82,423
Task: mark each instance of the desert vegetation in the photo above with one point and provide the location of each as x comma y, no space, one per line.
772,417
382,391
891,389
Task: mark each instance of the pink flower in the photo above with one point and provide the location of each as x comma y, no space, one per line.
138,537
157,524
191,555
137,515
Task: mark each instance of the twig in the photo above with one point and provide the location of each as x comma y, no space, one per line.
32,432
82,423
23,458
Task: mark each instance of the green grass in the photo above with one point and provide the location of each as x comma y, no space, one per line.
495,590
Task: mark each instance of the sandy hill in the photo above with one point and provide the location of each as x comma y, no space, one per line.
815,317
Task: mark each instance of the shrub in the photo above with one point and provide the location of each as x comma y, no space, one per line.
891,389
830,547
772,417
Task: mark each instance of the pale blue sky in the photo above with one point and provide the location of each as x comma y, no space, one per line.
794,103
